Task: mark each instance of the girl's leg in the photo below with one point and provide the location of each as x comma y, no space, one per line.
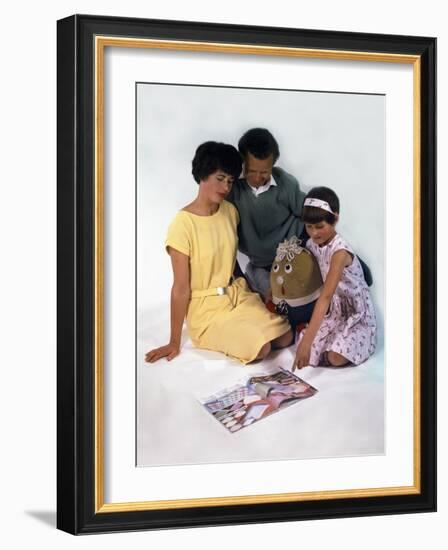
333,359
283,341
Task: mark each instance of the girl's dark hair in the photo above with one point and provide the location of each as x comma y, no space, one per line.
212,156
260,143
312,214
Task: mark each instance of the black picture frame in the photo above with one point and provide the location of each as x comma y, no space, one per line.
79,505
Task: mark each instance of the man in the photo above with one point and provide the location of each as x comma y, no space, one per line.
269,202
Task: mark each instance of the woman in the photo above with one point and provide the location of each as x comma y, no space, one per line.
202,241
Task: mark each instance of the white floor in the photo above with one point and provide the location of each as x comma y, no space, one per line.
345,417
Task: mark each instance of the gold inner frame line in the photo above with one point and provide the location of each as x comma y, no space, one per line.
101,42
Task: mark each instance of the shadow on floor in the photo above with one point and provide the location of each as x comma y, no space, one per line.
47,517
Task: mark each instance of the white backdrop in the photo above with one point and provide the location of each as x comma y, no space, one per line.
27,223
331,139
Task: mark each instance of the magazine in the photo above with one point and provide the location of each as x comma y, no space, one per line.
255,398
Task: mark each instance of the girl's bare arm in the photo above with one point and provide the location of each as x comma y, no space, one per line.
339,261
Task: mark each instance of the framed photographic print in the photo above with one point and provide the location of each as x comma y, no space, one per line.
192,158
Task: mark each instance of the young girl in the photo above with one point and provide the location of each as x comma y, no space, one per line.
342,329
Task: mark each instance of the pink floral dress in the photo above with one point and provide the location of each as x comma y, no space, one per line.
349,328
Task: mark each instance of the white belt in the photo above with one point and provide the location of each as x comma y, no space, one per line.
217,291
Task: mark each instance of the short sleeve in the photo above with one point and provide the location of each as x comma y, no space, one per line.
340,244
178,236
233,213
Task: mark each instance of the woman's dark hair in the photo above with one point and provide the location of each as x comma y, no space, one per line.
312,214
212,156
260,143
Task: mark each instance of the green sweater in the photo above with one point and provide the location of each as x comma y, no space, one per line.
269,218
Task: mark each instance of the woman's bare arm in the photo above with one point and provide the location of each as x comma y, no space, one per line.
180,296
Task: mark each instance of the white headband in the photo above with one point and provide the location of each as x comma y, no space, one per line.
317,203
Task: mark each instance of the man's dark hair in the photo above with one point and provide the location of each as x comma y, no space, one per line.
212,156
260,143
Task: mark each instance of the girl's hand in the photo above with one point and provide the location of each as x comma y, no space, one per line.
302,358
339,261
169,351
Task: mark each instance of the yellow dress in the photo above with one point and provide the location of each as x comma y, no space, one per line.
236,323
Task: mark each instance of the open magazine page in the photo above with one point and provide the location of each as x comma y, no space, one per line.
256,397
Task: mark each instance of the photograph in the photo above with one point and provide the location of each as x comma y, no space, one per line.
222,274
256,398
223,180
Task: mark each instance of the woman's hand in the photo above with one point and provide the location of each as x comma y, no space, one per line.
169,351
302,358
180,295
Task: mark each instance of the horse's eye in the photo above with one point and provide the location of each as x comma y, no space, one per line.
275,268
288,268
